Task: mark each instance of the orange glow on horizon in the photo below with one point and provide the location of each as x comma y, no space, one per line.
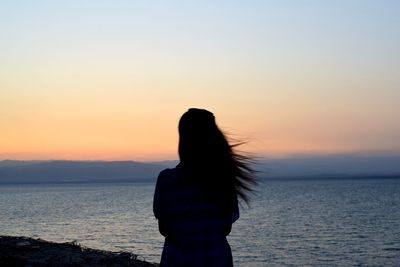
110,81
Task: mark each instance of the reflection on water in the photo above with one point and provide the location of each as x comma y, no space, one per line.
354,222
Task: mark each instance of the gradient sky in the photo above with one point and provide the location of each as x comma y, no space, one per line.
98,79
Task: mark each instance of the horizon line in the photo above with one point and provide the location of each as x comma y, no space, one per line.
262,157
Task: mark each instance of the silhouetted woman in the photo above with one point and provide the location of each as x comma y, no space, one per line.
197,202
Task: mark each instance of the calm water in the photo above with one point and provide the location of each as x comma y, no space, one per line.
291,223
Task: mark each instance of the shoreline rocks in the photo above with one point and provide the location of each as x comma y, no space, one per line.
29,252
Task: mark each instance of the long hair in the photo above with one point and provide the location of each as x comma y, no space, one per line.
208,160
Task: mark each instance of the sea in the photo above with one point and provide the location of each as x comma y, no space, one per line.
325,222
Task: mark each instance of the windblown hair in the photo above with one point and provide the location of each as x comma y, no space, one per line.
207,159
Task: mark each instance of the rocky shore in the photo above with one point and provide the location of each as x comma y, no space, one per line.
29,252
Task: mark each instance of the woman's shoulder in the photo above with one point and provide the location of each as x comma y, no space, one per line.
170,172
167,176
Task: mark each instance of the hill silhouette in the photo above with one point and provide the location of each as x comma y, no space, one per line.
61,171
299,167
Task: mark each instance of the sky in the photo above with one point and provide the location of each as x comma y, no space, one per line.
108,80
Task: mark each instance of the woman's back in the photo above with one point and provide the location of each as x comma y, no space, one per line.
193,225
190,217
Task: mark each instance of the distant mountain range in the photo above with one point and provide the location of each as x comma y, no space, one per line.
331,166
61,171
300,167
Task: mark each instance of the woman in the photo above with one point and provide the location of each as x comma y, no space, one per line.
197,202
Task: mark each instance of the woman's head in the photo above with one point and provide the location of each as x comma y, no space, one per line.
208,159
200,139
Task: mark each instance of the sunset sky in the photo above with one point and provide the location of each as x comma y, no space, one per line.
97,79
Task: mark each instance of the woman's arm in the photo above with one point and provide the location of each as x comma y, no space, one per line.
162,227
157,204
227,229
234,218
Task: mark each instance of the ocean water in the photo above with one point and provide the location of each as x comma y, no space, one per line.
289,223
